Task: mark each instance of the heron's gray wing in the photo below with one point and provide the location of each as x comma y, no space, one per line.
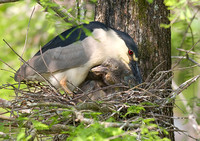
60,58
52,60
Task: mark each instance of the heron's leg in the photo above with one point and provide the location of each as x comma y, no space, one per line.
63,83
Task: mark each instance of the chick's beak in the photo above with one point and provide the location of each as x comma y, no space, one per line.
136,71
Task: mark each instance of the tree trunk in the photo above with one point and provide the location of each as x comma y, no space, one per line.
142,20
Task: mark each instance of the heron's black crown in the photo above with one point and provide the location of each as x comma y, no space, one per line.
80,32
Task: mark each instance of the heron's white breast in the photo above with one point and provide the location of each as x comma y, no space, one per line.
74,77
104,45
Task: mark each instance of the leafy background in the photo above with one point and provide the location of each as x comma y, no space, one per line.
14,24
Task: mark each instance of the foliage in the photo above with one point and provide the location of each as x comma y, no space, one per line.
147,130
185,35
15,35
99,132
185,43
40,112
45,25
134,109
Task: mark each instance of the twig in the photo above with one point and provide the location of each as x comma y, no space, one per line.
32,132
186,57
93,106
190,59
52,87
191,117
51,73
55,129
7,1
99,89
29,22
189,51
81,118
7,118
132,133
3,135
47,66
48,104
7,65
149,76
188,27
193,122
60,11
182,87
186,54
5,103
7,71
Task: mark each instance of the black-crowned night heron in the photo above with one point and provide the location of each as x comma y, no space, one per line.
66,60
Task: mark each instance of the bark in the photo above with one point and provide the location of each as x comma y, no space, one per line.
142,20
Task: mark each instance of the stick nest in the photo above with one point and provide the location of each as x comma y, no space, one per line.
109,91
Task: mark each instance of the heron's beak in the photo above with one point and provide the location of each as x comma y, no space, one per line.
136,71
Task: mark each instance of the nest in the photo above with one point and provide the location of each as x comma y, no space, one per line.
109,92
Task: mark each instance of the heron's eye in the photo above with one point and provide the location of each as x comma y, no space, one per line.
130,52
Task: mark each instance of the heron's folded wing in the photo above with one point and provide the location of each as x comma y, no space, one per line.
60,58
52,60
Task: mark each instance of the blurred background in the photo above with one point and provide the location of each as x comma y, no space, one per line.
26,26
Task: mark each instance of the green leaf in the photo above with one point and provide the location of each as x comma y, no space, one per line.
182,15
52,30
148,120
114,131
28,138
188,13
165,25
93,1
39,125
66,113
134,110
87,32
2,127
111,119
170,2
21,136
147,103
144,130
198,103
150,1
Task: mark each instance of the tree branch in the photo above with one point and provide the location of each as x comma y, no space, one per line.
4,103
192,118
59,10
81,118
7,1
7,118
182,87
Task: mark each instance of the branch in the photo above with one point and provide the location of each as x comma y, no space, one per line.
52,87
4,103
81,118
188,27
191,117
59,10
182,87
7,1
186,54
57,128
48,104
188,51
3,135
7,118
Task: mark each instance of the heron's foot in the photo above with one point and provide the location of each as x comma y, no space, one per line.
63,84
